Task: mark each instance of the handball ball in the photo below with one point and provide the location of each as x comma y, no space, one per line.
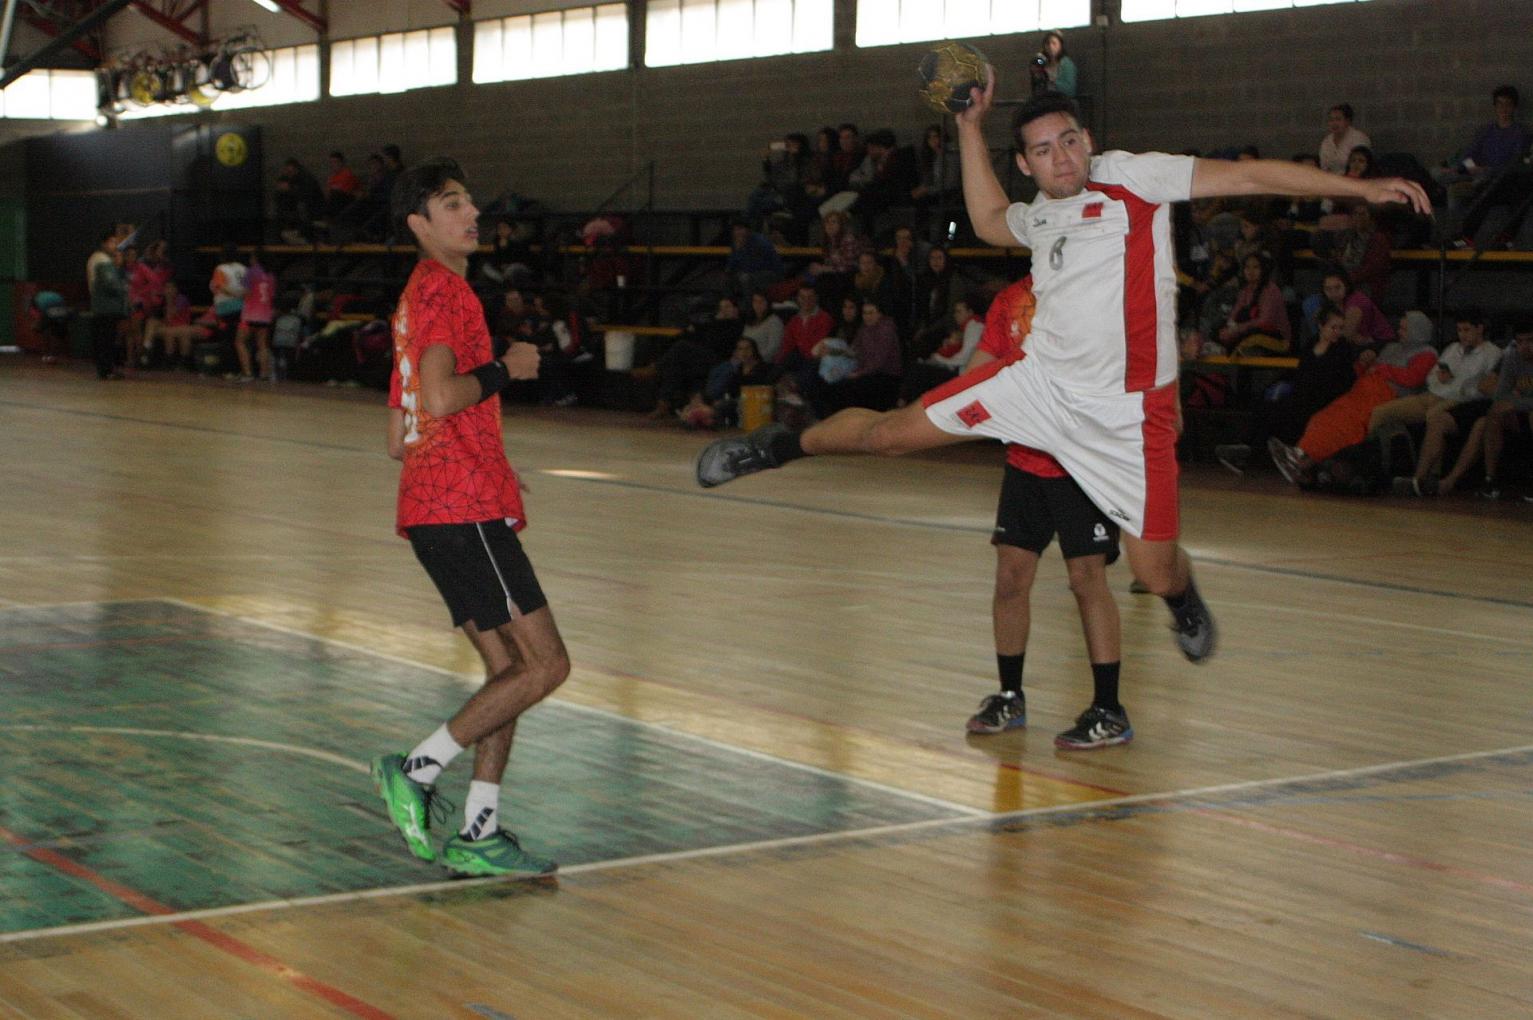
948,72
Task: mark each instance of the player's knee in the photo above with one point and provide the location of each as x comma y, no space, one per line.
883,439
1088,576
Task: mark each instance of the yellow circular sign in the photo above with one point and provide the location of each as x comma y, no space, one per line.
231,149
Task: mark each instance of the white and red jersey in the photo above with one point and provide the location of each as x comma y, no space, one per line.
1105,276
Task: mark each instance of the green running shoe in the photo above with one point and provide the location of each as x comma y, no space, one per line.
496,854
409,803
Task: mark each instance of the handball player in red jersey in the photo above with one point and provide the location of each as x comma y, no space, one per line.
461,508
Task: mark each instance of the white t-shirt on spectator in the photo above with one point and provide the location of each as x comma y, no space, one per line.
1333,154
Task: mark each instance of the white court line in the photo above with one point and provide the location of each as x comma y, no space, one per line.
475,680
745,848
211,738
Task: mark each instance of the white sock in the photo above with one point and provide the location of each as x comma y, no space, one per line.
479,810
431,756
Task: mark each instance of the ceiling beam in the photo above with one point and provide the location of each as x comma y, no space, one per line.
86,47
461,6
92,21
297,10
168,23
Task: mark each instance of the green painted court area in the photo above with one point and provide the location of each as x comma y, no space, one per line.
203,761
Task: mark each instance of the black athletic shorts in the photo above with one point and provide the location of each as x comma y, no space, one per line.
1467,413
1033,509
481,571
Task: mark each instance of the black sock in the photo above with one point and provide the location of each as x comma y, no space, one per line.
785,447
1010,669
1177,602
1104,676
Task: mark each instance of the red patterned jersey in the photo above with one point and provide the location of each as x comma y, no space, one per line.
1006,326
455,467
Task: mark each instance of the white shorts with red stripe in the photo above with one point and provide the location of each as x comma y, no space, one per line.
1119,447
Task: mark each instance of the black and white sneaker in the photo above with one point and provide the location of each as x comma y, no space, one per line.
724,460
1194,627
1287,460
1096,727
1234,456
999,712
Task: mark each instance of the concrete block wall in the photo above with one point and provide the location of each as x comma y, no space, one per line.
1419,73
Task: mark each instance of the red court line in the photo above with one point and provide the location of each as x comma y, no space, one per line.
213,937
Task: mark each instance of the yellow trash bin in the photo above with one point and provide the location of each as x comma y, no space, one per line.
755,406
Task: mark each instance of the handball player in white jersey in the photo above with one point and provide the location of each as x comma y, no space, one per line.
1097,389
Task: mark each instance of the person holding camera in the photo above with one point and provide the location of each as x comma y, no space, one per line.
1052,70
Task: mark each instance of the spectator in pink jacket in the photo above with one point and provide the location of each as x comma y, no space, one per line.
1258,324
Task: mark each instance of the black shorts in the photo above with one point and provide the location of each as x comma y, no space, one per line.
1033,509
481,571
1467,413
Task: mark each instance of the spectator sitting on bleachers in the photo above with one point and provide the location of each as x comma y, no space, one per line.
1325,372
1363,250
904,267
787,168
1510,412
1504,140
844,161
718,402
763,326
953,351
1365,324
365,218
833,274
1401,368
1258,323
512,320
342,186
1340,139
938,182
893,182
934,289
871,283
808,326
298,198
175,330
1463,370
753,263
683,369
510,258
564,340
875,381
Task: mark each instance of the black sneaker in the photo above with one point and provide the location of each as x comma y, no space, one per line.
1194,627
1490,490
1234,456
724,460
1096,727
998,712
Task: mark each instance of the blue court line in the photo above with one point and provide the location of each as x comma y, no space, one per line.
1406,589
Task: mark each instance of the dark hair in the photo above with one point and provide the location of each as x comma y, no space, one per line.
338,154
1372,169
750,309
1268,267
108,235
392,151
417,185
848,126
1345,109
883,137
739,221
1473,316
1522,326
1043,47
799,137
1509,91
755,348
1327,312
1041,105
1332,269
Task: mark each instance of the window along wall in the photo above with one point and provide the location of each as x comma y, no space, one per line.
700,31
396,62
551,44
1154,10
883,22
50,95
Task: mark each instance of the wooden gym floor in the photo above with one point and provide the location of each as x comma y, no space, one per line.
756,780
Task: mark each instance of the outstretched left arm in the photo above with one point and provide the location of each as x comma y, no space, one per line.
1215,177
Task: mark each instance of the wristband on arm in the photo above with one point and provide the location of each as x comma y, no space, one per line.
493,377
